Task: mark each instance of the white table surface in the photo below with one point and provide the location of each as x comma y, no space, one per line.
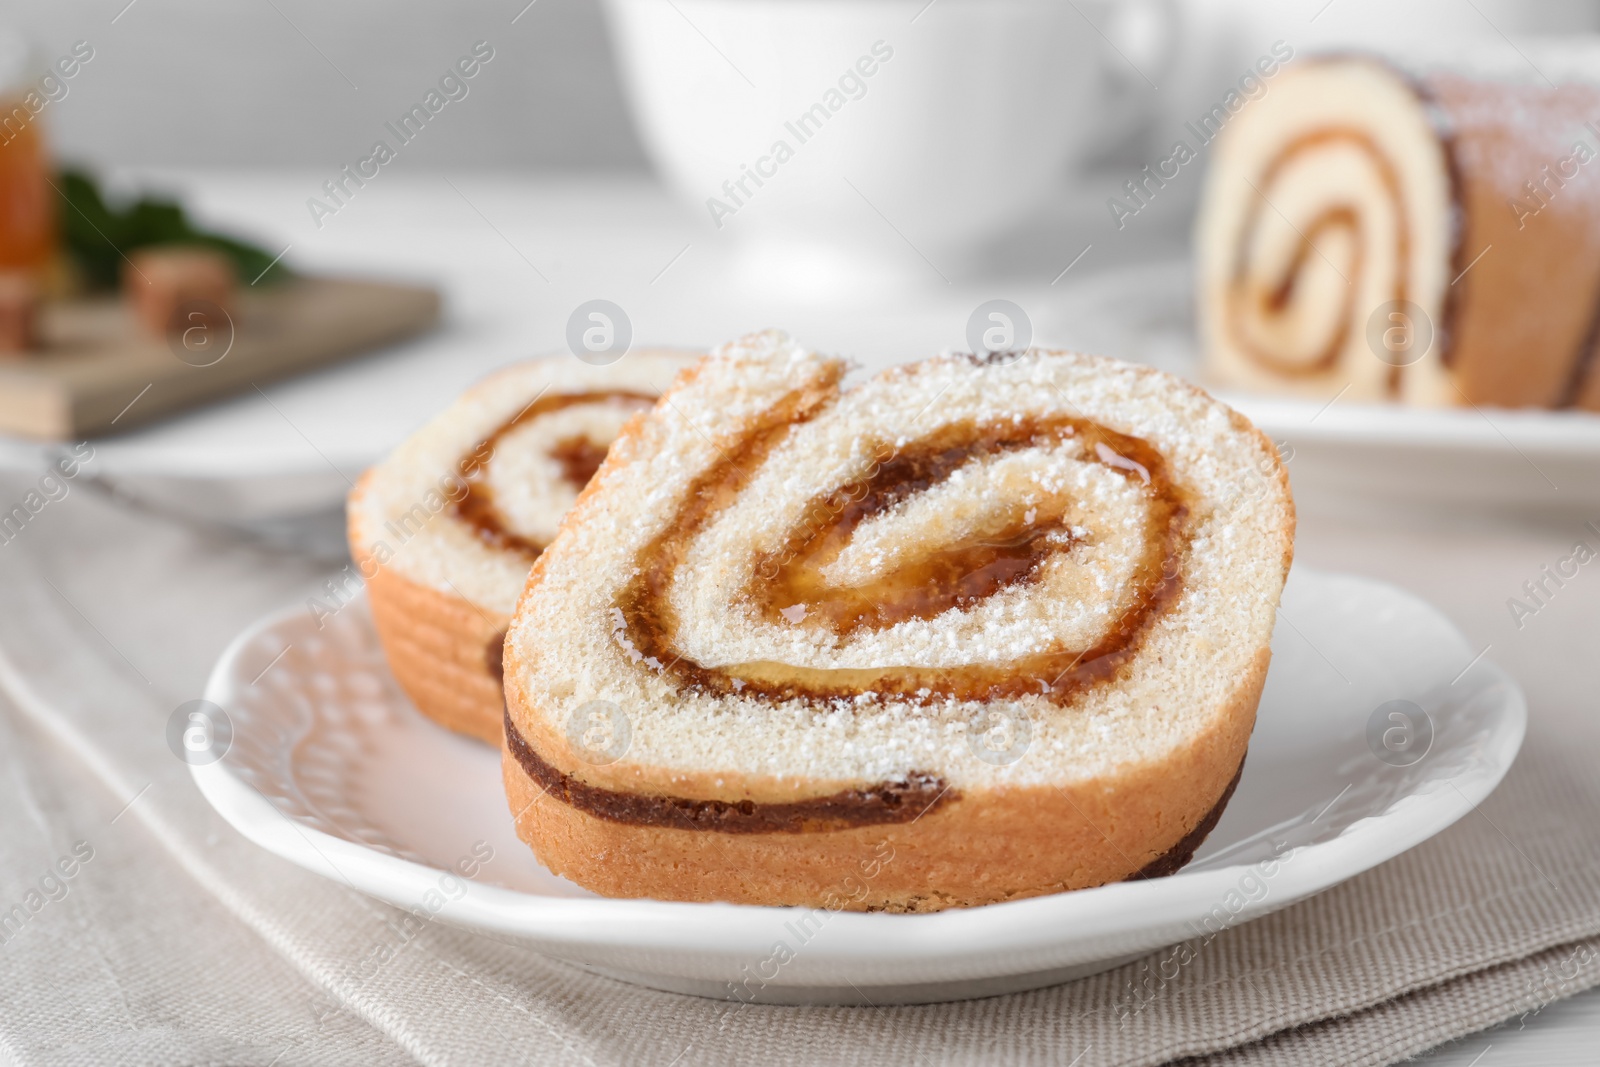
515,255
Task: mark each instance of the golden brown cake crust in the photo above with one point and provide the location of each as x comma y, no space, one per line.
437,645
1522,311
1003,844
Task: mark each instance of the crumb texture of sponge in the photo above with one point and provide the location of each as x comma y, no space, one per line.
441,594
1094,784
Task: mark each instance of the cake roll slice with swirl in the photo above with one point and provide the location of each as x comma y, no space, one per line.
1431,238
444,530
970,631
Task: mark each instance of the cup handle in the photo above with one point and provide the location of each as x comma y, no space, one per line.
1142,36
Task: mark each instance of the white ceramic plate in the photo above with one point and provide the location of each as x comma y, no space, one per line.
331,768
1474,457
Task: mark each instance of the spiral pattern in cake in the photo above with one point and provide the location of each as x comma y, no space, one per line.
1431,237
445,528
971,610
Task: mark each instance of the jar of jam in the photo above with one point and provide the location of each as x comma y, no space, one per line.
27,199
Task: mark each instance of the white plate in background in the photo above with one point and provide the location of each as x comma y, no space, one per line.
1484,457
331,768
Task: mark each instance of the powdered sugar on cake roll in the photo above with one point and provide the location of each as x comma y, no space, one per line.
1425,235
791,594
446,527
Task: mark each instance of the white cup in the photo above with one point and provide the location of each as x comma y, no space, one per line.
846,138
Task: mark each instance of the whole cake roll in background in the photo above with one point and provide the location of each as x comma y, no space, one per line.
1432,238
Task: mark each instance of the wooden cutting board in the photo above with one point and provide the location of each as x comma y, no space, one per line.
99,372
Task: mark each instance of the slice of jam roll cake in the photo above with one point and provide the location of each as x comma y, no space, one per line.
1428,237
446,527
968,632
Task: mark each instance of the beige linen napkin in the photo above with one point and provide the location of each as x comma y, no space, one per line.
181,942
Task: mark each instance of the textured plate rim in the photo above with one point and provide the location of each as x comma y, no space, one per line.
1123,908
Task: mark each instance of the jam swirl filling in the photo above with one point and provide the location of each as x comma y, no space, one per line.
1253,302
577,457
1010,554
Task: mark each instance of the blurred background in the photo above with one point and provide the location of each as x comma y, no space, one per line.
939,155
299,83
264,84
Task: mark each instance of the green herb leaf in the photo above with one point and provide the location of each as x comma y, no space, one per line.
98,236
